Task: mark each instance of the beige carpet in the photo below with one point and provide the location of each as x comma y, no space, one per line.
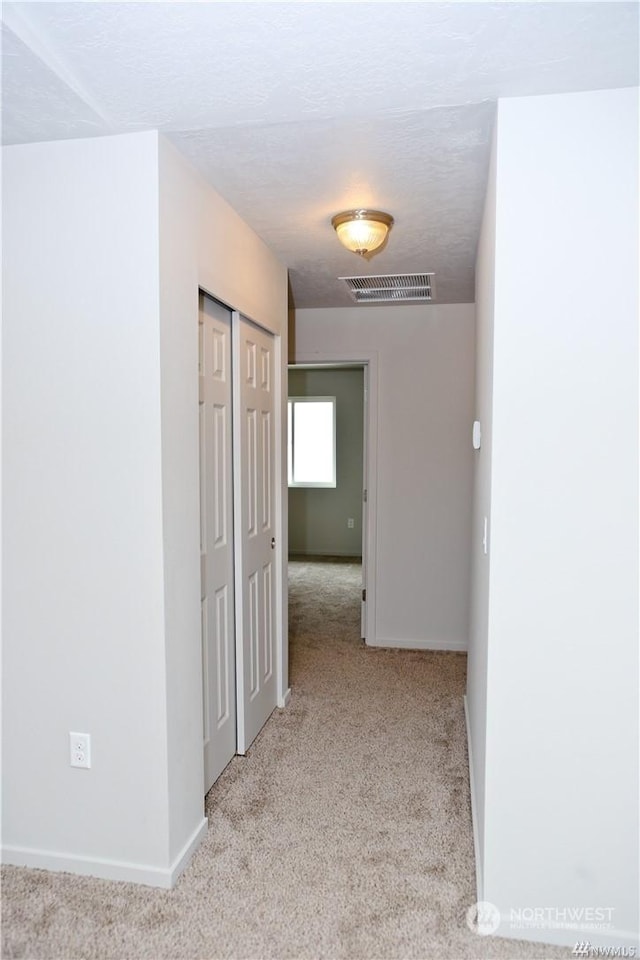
345,833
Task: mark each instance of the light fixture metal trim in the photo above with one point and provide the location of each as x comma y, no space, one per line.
362,231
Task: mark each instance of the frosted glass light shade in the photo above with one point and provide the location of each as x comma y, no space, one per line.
362,231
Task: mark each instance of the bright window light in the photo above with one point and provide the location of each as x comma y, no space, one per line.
312,441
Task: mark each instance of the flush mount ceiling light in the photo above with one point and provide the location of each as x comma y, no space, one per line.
362,231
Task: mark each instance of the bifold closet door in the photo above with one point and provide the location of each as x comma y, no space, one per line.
217,538
254,410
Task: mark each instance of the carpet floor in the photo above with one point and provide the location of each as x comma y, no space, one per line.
344,833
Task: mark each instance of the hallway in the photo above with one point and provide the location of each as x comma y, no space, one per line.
345,832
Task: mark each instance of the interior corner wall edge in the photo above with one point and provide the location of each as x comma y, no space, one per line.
424,484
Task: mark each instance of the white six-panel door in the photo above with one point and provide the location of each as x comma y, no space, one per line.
255,528
217,538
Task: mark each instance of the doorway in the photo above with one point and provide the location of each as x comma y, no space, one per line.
334,520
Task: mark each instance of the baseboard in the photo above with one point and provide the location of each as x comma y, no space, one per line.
284,701
327,557
474,806
452,645
568,936
188,850
105,869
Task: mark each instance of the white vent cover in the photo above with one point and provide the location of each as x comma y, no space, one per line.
394,287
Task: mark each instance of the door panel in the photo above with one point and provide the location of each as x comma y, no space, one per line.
255,512
216,538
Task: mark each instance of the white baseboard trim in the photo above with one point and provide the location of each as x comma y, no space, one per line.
474,807
614,939
452,645
295,555
188,850
284,701
103,868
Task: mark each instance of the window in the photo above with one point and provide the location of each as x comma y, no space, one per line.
312,441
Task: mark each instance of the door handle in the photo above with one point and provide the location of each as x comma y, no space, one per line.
273,543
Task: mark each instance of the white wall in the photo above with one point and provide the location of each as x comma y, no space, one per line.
476,703
105,242
83,632
203,243
561,793
425,366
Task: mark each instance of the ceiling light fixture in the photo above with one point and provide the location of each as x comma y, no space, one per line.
362,231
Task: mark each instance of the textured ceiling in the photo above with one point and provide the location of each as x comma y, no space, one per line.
294,111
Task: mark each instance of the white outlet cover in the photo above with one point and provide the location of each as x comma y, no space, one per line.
80,750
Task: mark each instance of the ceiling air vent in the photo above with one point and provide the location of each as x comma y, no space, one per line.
393,288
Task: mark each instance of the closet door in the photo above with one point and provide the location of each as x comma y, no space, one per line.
255,528
217,538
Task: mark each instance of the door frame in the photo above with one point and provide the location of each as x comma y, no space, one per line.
368,359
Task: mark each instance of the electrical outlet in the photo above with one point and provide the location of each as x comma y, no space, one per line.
351,523
80,750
